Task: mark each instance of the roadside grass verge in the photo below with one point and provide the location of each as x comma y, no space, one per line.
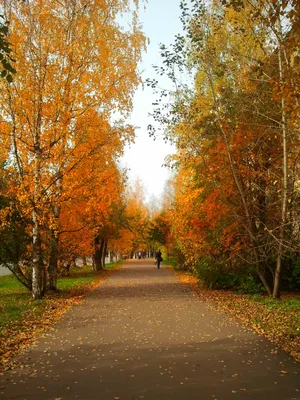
277,320
22,318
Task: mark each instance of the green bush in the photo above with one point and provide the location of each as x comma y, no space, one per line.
249,284
296,274
214,274
219,275
291,274
178,259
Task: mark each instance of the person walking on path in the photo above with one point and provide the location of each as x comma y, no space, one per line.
158,258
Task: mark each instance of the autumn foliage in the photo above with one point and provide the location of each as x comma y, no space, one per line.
63,128
236,202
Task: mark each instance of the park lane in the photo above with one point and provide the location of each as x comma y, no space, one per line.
143,335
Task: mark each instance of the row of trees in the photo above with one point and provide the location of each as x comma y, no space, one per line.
237,185
62,131
234,199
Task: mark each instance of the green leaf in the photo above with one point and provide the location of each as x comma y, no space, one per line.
11,69
9,78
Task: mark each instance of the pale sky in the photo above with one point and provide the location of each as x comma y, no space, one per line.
145,158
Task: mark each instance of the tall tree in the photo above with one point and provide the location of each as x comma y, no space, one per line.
76,66
235,133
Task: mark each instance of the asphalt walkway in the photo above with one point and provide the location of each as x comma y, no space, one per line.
143,335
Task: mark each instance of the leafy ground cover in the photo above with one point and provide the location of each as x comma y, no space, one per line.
22,318
278,320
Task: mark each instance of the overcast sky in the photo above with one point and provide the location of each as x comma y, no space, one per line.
145,158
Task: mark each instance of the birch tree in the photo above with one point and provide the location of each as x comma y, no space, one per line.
75,62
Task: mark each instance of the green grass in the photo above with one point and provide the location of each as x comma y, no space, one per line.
73,282
14,300
280,304
82,276
114,265
8,282
78,277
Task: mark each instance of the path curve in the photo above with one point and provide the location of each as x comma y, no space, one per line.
143,335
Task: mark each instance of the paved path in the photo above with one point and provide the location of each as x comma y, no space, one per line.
143,335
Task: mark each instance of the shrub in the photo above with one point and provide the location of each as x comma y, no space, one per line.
291,274
178,258
214,274
296,274
250,284
219,275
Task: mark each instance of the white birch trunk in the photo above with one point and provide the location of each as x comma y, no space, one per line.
284,194
36,237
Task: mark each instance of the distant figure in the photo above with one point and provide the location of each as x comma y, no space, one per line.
158,258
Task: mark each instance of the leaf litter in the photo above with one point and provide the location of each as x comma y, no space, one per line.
18,335
280,326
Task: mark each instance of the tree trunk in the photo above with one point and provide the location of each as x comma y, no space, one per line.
263,279
53,262
99,245
44,281
37,258
52,269
37,262
84,262
104,253
276,288
73,261
284,196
